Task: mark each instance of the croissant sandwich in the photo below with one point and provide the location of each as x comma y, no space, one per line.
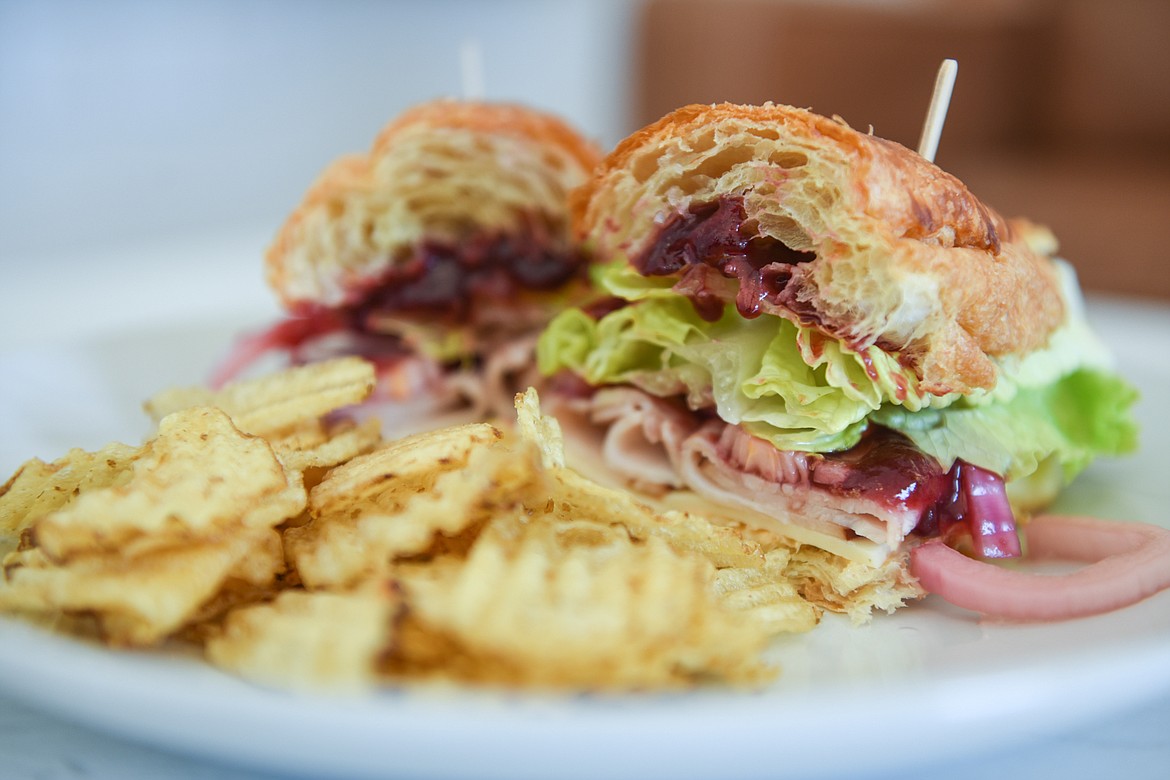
818,332
439,255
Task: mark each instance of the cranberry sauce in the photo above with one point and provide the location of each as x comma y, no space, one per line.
885,467
307,325
712,235
442,280
597,309
974,505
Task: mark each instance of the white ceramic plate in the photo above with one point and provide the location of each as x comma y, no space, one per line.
928,682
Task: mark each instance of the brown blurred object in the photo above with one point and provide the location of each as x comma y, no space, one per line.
1061,111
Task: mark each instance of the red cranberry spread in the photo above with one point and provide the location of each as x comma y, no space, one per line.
885,467
443,280
439,283
713,235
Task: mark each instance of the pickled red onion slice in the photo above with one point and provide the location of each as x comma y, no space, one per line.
1127,562
285,334
244,353
987,512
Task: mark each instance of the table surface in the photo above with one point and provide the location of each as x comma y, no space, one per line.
37,746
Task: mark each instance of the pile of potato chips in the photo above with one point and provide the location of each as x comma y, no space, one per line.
298,548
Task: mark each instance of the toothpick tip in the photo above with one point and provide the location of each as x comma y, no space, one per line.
471,69
936,116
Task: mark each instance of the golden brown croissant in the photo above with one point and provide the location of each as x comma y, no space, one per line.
445,174
875,245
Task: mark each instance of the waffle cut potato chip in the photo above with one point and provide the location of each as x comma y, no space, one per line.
296,548
398,501
199,477
290,410
155,540
38,488
768,595
309,640
546,609
142,600
515,570
273,405
200,501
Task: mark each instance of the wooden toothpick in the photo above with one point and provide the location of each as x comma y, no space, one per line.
471,69
944,84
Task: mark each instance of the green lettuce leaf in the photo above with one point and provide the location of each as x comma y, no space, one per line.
789,385
801,390
1077,418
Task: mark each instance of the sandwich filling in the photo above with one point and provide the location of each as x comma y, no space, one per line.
453,322
732,390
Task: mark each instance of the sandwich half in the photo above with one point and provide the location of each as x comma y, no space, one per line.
819,333
439,255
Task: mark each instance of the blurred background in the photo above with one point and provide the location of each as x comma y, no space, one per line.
131,128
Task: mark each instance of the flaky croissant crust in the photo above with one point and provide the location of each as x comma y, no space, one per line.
440,171
906,257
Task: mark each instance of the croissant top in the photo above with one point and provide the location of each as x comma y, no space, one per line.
446,173
821,224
